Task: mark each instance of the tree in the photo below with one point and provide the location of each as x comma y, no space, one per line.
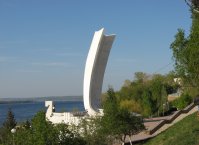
147,103
39,132
27,124
118,122
43,132
193,4
68,136
131,105
10,121
183,101
5,131
156,91
141,77
164,100
91,130
186,51
148,97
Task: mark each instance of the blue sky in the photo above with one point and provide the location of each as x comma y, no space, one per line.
44,43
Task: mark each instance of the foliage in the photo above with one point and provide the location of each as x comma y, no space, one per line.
91,129
42,132
183,101
131,105
118,122
141,77
5,131
10,121
68,136
147,94
185,53
27,124
185,132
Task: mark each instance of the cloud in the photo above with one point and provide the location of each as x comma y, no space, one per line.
52,64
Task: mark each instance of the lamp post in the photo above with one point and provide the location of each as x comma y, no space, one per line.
13,131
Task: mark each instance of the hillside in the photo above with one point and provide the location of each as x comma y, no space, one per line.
185,132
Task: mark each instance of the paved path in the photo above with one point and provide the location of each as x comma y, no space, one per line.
182,116
153,122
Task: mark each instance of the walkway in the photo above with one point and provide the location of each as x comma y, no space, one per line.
155,126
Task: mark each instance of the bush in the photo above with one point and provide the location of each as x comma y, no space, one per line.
182,102
41,132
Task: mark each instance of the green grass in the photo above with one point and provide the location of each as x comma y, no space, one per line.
185,132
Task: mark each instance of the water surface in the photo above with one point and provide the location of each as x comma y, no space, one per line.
24,111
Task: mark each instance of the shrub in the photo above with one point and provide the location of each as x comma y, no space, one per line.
183,101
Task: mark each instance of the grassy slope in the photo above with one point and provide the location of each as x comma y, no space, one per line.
186,132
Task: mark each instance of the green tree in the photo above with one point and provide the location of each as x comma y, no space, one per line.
10,121
131,105
43,132
27,124
5,130
186,51
164,100
118,122
183,101
23,136
148,91
156,90
91,130
147,104
141,77
68,136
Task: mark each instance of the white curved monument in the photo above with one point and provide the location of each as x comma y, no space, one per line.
93,79
94,70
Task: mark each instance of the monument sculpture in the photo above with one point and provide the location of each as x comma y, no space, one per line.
93,79
94,70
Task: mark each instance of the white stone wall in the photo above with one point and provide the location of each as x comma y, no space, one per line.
65,117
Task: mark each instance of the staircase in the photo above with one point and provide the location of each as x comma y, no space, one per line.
155,126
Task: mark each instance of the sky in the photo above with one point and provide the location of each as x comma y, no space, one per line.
44,43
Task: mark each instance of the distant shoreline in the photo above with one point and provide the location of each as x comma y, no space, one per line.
40,99
14,102
23,102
